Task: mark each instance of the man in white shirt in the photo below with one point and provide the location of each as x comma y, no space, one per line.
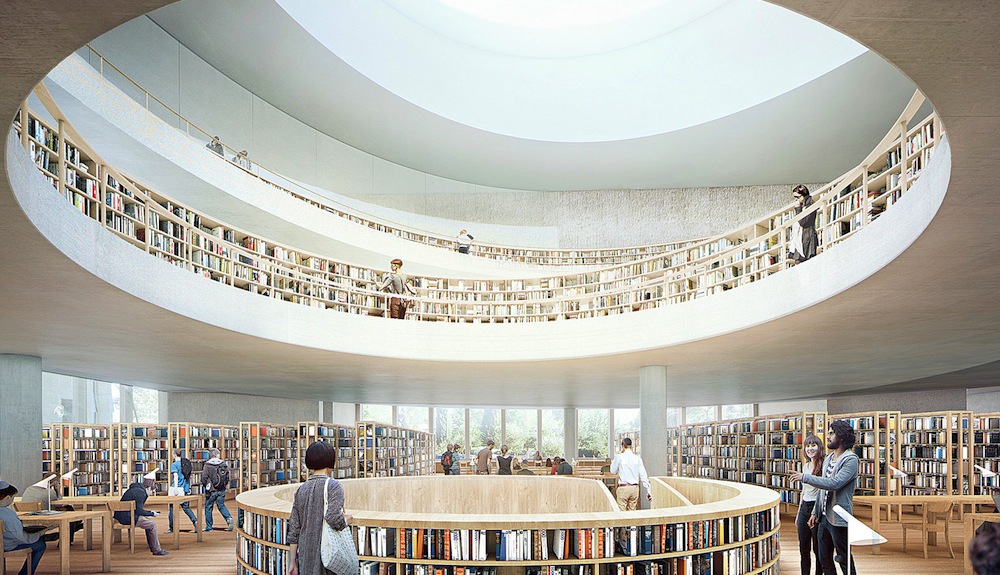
630,472
463,242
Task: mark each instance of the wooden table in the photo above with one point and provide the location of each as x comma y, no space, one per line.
62,519
971,520
877,501
173,501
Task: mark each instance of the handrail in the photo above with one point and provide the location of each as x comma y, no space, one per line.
539,256
236,257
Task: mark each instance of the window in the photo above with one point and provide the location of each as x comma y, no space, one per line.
380,413
522,431
146,404
484,424
593,427
413,417
553,432
701,414
626,420
738,411
449,427
673,417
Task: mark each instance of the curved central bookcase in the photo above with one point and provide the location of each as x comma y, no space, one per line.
476,525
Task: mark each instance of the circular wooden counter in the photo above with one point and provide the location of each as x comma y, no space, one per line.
554,525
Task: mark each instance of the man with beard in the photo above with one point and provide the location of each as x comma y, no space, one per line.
840,474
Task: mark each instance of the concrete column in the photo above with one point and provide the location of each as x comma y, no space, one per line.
538,435
571,439
126,404
162,407
652,418
81,402
21,420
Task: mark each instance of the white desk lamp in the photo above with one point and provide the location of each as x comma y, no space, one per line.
857,532
897,474
68,476
986,473
44,484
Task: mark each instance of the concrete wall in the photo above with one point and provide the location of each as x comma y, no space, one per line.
915,402
984,400
20,419
207,98
231,409
778,408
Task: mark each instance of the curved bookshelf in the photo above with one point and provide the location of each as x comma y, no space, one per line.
537,256
209,247
531,525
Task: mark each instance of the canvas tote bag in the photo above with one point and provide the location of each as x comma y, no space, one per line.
337,547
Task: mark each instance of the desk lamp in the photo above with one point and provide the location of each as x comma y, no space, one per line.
857,532
44,484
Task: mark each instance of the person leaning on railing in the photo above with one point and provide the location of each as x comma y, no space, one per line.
397,284
804,240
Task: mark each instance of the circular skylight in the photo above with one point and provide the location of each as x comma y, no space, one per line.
577,70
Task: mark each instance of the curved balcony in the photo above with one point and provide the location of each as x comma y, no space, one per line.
208,246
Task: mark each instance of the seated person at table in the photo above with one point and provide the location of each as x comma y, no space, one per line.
45,494
564,468
14,536
138,492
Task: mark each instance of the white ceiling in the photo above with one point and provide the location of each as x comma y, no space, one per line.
715,126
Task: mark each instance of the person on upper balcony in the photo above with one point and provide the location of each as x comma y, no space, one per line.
804,240
397,284
215,145
463,242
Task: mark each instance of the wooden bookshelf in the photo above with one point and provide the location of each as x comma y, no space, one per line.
388,451
876,445
137,449
697,450
340,436
753,450
986,451
86,448
935,449
207,246
559,525
198,439
785,436
727,455
269,455
49,456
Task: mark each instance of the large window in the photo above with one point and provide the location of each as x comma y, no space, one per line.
449,427
380,413
673,417
553,432
522,432
413,417
484,424
626,420
593,427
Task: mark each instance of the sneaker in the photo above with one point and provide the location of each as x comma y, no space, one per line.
231,525
168,531
206,530
161,552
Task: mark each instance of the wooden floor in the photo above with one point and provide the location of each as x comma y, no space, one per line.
216,555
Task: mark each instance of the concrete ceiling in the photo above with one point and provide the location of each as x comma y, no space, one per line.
820,128
933,310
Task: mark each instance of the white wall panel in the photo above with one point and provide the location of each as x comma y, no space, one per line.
282,141
214,102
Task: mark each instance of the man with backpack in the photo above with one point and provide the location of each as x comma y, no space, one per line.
215,480
446,460
180,484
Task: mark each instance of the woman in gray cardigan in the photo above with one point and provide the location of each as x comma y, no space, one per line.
305,527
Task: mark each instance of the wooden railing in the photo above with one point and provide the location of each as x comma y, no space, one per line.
539,256
202,244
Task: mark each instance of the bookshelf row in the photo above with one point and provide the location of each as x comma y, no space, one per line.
937,451
108,458
738,535
199,243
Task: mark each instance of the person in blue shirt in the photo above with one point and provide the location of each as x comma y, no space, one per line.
14,536
181,484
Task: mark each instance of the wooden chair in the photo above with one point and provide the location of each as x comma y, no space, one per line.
24,506
933,519
118,528
26,553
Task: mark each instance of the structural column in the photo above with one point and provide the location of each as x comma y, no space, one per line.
571,438
653,418
21,420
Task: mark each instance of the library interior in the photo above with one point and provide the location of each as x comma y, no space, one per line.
569,288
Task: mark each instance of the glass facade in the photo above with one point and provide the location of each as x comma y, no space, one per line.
521,431
593,430
553,432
